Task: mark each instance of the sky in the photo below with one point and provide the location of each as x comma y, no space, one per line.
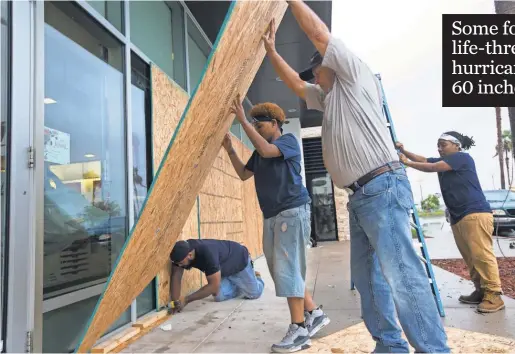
406,51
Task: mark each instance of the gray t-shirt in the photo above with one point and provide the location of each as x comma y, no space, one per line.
355,137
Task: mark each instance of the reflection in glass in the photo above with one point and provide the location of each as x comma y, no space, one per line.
157,29
141,157
236,129
111,10
60,334
198,52
323,210
5,139
85,216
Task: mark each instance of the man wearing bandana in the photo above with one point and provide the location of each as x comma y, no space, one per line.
470,215
227,265
276,167
361,158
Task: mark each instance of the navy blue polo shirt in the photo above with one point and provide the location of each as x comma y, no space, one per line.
278,180
213,255
461,190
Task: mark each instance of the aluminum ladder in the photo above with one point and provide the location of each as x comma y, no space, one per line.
415,223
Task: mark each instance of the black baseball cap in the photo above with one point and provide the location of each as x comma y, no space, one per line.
316,60
180,251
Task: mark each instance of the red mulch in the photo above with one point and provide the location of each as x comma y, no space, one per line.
506,270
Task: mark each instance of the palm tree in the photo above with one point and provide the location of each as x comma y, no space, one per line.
507,146
499,144
507,7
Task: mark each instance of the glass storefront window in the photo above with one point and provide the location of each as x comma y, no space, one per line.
5,139
141,156
198,52
236,129
247,106
60,333
157,29
111,10
85,201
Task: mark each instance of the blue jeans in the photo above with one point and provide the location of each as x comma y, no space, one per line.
387,271
285,240
244,283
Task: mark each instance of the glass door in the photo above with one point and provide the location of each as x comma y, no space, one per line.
4,139
18,218
323,210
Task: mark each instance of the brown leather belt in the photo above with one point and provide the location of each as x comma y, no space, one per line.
392,166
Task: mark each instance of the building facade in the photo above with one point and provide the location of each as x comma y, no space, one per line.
82,83
330,219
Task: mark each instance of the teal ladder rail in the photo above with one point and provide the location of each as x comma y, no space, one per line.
415,223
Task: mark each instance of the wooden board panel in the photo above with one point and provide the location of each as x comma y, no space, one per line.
236,57
253,217
168,103
191,278
117,340
356,339
228,206
150,320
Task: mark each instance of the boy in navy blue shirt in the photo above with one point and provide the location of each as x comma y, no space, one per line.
470,215
285,203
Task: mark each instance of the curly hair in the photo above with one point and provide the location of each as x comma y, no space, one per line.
270,110
466,141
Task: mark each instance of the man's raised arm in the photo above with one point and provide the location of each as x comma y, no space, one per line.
289,76
311,24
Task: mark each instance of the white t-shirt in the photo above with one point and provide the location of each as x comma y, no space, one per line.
355,137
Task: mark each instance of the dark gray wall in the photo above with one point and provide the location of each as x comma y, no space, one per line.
291,43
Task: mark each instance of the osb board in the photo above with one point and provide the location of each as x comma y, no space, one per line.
191,278
224,231
356,339
341,198
231,67
168,103
253,217
159,320
229,209
112,343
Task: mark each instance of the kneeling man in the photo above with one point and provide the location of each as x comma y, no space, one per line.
227,265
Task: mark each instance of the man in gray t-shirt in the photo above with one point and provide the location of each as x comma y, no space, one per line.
360,157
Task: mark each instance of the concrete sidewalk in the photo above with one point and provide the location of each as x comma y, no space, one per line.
252,326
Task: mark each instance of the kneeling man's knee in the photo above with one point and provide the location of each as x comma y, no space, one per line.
254,295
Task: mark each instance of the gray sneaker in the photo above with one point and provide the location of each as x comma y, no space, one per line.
296,339
316,321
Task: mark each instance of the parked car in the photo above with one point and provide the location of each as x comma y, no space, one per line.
502,202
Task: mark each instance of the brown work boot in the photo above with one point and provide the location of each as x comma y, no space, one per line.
492,302
475,298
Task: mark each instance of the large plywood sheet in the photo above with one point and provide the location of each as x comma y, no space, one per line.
231,67
229,209
169,101
168,104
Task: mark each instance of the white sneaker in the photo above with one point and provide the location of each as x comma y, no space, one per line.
296,339
316,321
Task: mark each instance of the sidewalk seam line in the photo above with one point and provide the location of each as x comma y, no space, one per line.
221,323
316,278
